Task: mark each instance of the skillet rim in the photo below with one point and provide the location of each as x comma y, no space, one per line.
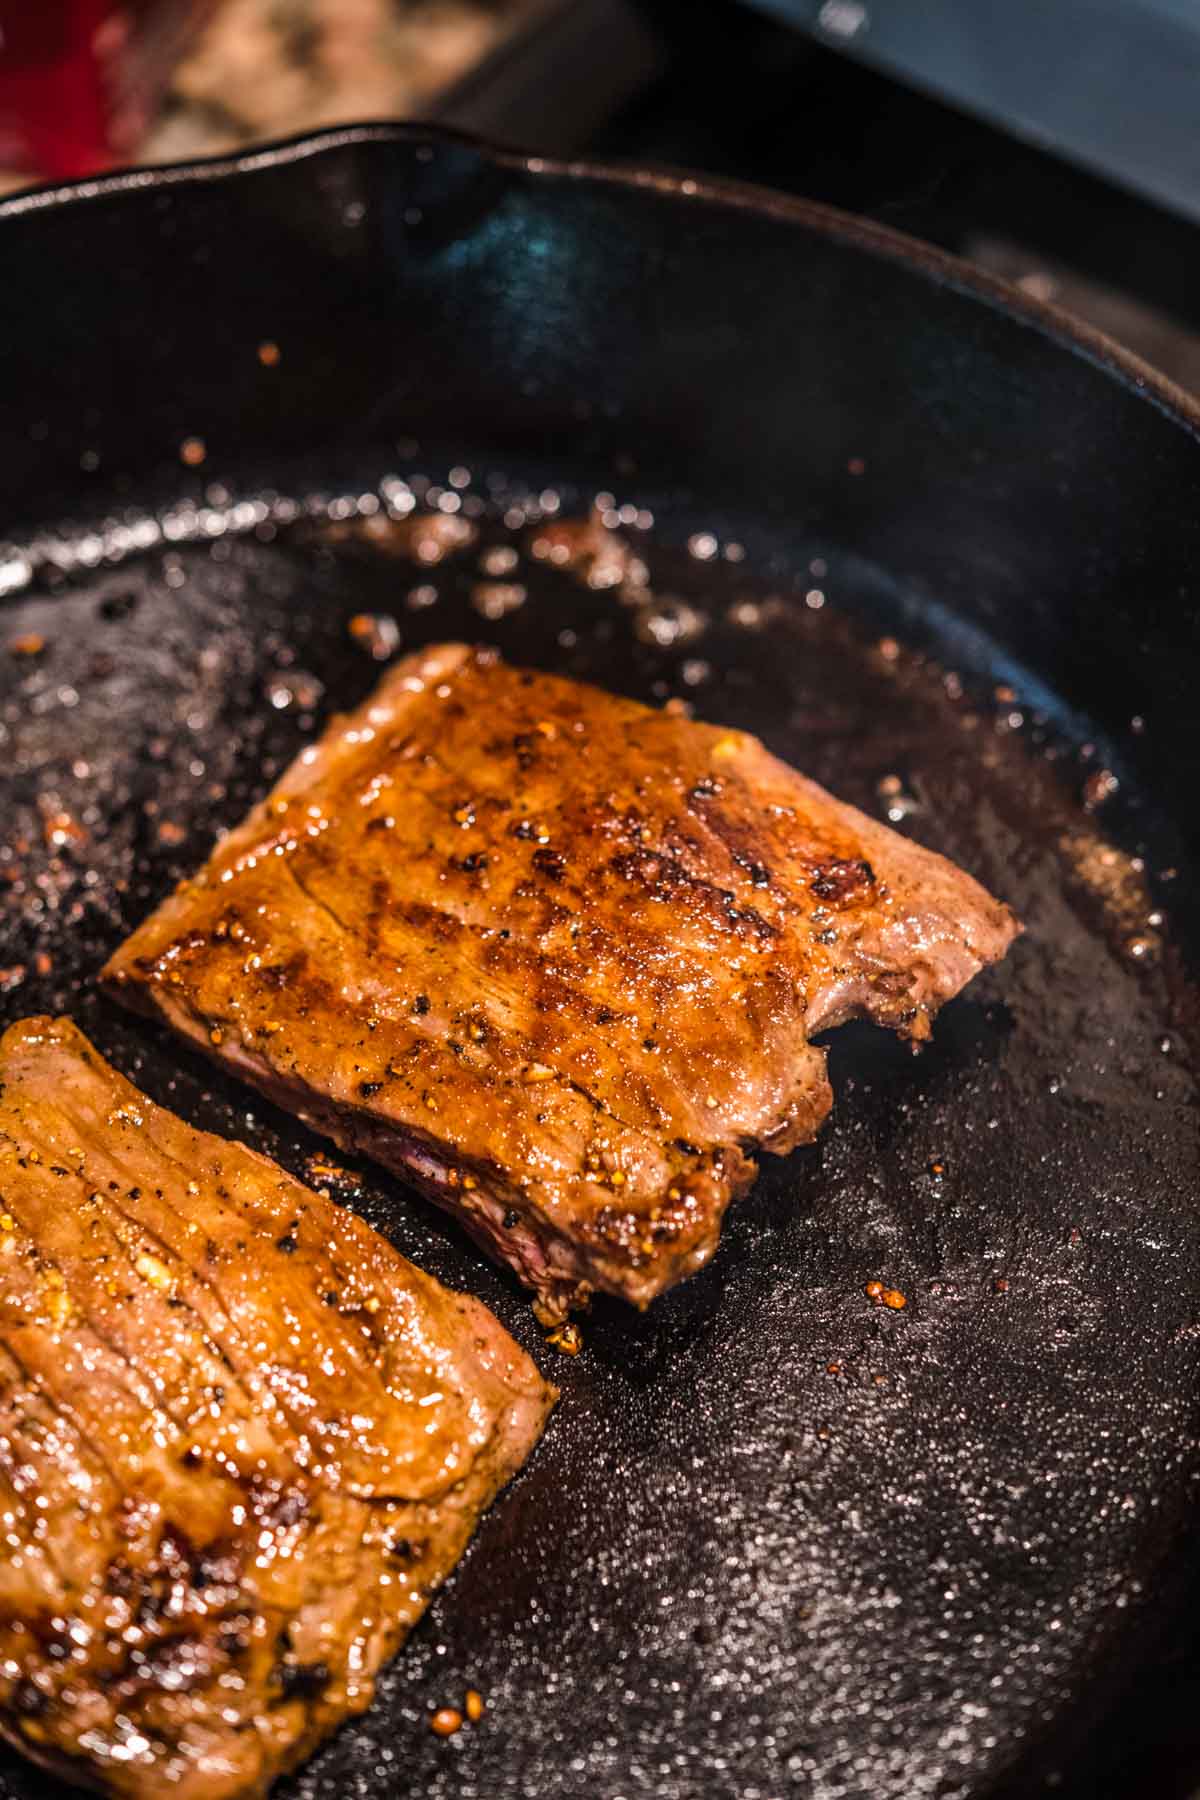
937,266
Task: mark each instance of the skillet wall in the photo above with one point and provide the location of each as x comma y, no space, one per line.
735,354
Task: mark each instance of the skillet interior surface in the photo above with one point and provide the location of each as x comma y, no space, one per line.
777,1541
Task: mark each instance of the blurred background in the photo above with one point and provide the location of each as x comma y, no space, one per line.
1058,146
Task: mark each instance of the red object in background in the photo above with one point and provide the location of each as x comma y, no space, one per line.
79,79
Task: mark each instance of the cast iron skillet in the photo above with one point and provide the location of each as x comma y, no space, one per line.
777,1541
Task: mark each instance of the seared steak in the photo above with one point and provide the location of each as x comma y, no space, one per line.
555,957
241,1439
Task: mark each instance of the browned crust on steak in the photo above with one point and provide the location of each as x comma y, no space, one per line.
241,1440
556,957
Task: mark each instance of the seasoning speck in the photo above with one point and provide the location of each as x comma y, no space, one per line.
496,599
501,559
446,1721
60,829
376,633
29,643
474,1705
886,1296
1098,788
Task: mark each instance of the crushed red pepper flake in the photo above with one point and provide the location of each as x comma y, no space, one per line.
60,829
475,1707
322,1169
886,1296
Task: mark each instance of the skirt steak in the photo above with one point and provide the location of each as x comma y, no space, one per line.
555,957
241,1440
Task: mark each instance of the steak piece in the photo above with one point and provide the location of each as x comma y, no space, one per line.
555,957
241,1439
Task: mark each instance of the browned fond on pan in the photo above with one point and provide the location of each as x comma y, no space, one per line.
241,1439
555,956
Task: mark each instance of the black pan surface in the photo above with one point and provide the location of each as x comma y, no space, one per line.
777,1541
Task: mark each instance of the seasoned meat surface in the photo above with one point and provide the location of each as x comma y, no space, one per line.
556,957
241,1439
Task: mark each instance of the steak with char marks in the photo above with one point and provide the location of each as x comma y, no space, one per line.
555,957
241,1440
